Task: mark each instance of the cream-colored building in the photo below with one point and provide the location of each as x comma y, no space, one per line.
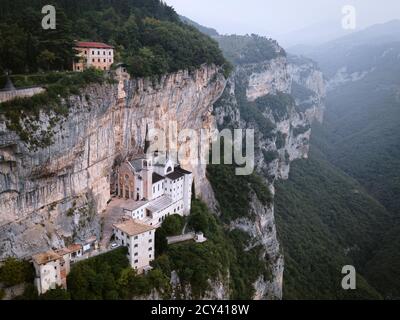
93,54
51,270
139,239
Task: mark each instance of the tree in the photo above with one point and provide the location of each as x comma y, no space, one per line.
55,294
15,271
46,59
173,225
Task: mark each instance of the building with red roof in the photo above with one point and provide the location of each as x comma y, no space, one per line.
93,54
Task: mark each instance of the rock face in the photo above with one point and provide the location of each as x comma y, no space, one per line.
268,77
51,196
299,86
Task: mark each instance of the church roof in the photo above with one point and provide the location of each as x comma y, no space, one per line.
160,204
156,177
175,175
137,164
181,170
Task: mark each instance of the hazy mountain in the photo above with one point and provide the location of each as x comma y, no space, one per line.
359,138
357,51
313,35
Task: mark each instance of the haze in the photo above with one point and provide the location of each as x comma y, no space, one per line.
289,21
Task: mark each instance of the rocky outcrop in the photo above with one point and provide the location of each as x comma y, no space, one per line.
299,87
53,195
268,77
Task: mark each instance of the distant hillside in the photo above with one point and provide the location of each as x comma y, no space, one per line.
325,221
249,49
360,137
206,30
353,49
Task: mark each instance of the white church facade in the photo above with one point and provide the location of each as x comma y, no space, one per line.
154,188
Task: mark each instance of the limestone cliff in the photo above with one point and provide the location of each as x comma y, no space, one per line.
52,196
279,99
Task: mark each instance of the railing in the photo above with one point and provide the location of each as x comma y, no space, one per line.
181,238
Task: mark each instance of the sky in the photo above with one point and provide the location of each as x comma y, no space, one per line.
282,19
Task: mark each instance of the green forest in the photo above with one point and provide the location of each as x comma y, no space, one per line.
249,48
148,35
342,205
326,220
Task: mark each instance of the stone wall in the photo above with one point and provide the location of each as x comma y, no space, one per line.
19,93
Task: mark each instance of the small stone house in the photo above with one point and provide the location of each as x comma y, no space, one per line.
51,270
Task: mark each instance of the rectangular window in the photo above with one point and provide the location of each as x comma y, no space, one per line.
92,52
105,60
150,240
136,246
150,249
136,254
136,261
136,237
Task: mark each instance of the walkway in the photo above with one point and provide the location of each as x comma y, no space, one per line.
113,214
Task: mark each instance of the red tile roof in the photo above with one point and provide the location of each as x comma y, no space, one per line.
97,45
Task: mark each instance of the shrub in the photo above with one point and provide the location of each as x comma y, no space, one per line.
15,271
56,294
270,155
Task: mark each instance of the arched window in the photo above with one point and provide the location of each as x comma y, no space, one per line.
169,169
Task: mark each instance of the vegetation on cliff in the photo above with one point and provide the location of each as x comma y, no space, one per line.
223,254
23,114
233,192
249,48
147,34
14,272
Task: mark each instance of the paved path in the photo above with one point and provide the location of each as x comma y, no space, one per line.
111,215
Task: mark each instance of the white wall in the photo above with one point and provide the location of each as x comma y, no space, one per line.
101,54
158,189
48,276
175,208
141,250
174,189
